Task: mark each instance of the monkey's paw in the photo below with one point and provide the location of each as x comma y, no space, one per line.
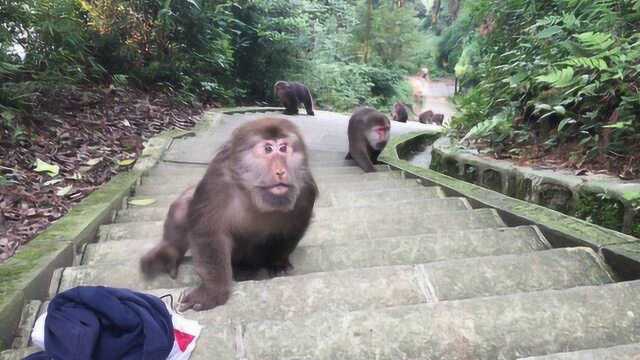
162,259
279,268
202,298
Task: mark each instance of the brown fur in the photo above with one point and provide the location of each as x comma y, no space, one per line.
438,119
291,94
400,112
368,134
426,117
237,218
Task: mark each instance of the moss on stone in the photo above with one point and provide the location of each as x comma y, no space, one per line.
492,179
635,225
436,161
600,209
523,188
556,197
450,167
470,173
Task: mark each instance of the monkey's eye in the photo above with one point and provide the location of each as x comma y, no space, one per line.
268,148
283,148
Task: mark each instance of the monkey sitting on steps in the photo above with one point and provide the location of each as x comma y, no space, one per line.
368,134
250,210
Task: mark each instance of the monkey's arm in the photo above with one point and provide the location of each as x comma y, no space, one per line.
363,161
212,260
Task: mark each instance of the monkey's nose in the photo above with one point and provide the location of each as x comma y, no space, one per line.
280,173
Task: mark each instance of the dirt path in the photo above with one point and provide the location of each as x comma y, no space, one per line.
433,95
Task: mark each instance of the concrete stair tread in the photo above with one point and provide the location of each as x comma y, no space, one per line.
366,253
324,188
620,352
441,280
400,208
189,172
335,232
18,354
501,327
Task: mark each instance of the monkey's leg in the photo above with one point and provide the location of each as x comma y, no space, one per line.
374,157
278,252
212,261
290,108
363,161
308,104
167,255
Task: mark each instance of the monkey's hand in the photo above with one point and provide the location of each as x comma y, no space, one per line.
203,298
163,258
280,267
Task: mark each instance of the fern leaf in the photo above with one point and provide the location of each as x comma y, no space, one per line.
588,63
596,41
558,78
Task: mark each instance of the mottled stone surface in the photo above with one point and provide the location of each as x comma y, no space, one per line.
490,328
380,252
622,352
339,232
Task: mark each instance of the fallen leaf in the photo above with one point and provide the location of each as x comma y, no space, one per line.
126,162
64,190
141,202
52,182
51,170
92,162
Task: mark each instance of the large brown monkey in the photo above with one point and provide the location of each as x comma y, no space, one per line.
426,117
291,94
250,210
400,112
368,133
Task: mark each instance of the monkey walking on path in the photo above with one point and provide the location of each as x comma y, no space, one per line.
291,94
249,211
368,134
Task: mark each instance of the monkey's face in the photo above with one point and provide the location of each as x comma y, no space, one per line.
378,135
272,169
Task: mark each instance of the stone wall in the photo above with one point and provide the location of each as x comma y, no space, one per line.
603,200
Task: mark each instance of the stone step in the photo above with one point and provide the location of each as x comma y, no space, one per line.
502,327
621,352
30,312
18,354
445,280
344,231
399,208
324,188
313,163
192,173
389,251
382,287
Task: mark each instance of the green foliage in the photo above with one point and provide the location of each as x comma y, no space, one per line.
207,50
568,68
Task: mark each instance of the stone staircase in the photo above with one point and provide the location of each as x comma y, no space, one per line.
389,269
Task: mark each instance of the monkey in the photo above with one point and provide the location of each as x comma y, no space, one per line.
437,119
291,94
426,117
368,133
250,210
400,112
166,256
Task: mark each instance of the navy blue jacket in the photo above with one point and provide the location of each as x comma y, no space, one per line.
100,323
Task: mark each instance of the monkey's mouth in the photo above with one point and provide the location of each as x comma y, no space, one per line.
278,189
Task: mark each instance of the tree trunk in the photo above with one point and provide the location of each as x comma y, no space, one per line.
435,11
367,34
454,8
